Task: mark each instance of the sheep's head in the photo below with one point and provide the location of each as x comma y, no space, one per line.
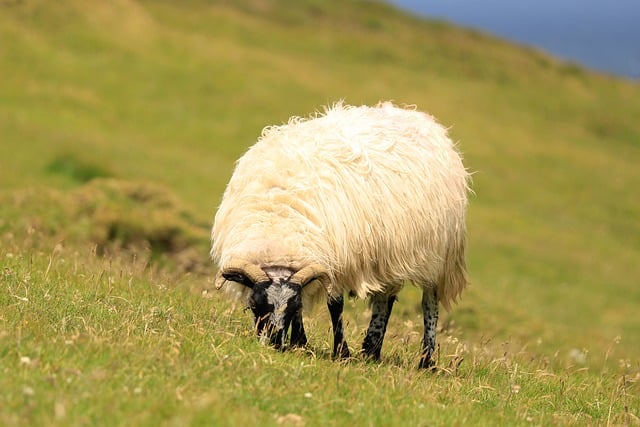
276,294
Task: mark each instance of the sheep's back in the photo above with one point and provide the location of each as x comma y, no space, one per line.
377,194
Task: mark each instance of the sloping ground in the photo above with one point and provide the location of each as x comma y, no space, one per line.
104,101
173,93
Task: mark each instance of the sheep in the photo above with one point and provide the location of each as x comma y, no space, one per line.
356,200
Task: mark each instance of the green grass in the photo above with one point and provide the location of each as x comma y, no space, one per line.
119,125
88,340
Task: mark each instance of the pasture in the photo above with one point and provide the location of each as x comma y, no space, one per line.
119,125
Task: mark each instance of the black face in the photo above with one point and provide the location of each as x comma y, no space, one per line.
274,306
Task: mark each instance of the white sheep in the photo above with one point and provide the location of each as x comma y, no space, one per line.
357,200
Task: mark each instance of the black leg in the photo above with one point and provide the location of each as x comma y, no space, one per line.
381,306
298,337
340,348
430,313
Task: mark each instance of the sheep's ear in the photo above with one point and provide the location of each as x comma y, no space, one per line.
238,278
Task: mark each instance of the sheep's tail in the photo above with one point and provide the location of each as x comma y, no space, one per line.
454,276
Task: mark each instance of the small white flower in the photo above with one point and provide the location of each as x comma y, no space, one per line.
578,356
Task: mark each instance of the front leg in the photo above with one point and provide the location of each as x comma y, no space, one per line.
340,348
430,313
381,306
298,337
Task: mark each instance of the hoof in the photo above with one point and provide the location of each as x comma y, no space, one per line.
428,365
341,352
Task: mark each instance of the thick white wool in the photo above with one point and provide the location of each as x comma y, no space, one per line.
377,195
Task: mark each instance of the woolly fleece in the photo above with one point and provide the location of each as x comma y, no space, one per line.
376,195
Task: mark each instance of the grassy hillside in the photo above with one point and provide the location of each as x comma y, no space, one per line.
119,125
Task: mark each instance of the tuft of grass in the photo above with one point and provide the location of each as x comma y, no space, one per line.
113,215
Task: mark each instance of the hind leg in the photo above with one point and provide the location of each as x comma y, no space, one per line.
430,313
381,306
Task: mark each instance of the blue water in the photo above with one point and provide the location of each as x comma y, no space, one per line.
600,34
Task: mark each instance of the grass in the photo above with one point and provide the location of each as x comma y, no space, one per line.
89,340
120,122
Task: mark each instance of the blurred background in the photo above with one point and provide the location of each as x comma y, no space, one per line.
600,34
